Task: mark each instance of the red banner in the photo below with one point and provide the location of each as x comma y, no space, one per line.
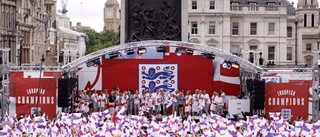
287,98
28,99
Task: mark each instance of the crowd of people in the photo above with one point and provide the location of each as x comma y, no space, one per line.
126,114
182,102
105,124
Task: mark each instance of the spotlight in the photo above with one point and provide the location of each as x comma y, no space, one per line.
235,65
189,51
180,50
161,49
142,50
207,56
114,55
130,51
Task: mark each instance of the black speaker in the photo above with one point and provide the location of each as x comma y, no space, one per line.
63,92
249,85
63,102
258,94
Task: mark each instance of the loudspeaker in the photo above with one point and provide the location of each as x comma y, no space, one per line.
63,92
249,85
63,102
258,94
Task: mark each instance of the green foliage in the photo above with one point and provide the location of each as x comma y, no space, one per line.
97,41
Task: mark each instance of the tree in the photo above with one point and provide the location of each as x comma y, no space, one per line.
97,41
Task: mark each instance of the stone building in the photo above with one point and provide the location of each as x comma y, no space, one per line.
284,35
111,15
24,18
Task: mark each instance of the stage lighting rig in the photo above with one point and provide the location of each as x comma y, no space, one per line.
207,56
130,51
161,49
93,62
142,50
114,55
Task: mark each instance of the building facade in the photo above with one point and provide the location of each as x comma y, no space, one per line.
308,13
111,15
29,20
272,27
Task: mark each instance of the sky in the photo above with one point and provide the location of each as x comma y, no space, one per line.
90,12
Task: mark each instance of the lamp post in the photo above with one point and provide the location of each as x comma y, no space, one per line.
41,62
20,50
69,56
318,42
296,42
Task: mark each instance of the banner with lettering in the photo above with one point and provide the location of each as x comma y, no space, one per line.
287,98
30,94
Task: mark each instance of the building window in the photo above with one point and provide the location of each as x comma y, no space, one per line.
253,28
194,27
253,7
271,30
289,53
212,27
235,7
312,20
235,28
308,47
194,5
212,5
235,49
253,47
289,31
271,52
309,62
305,20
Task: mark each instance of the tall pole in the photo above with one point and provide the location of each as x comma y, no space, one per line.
296,44
41,61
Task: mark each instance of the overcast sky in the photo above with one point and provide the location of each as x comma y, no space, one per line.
90,12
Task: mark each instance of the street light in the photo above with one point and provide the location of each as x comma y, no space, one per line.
41,61
20,50
318,42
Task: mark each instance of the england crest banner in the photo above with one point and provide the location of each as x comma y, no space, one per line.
158,77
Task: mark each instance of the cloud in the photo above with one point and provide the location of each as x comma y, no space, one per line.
88,12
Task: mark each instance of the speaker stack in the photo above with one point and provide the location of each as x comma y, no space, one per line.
65,87
258,94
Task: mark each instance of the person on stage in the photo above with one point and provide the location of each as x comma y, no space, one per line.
188,103
111,102
136,102
195,108
214,104
164,99
158,101
181,100
102,101
129,98
174,101
94,98
207,102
